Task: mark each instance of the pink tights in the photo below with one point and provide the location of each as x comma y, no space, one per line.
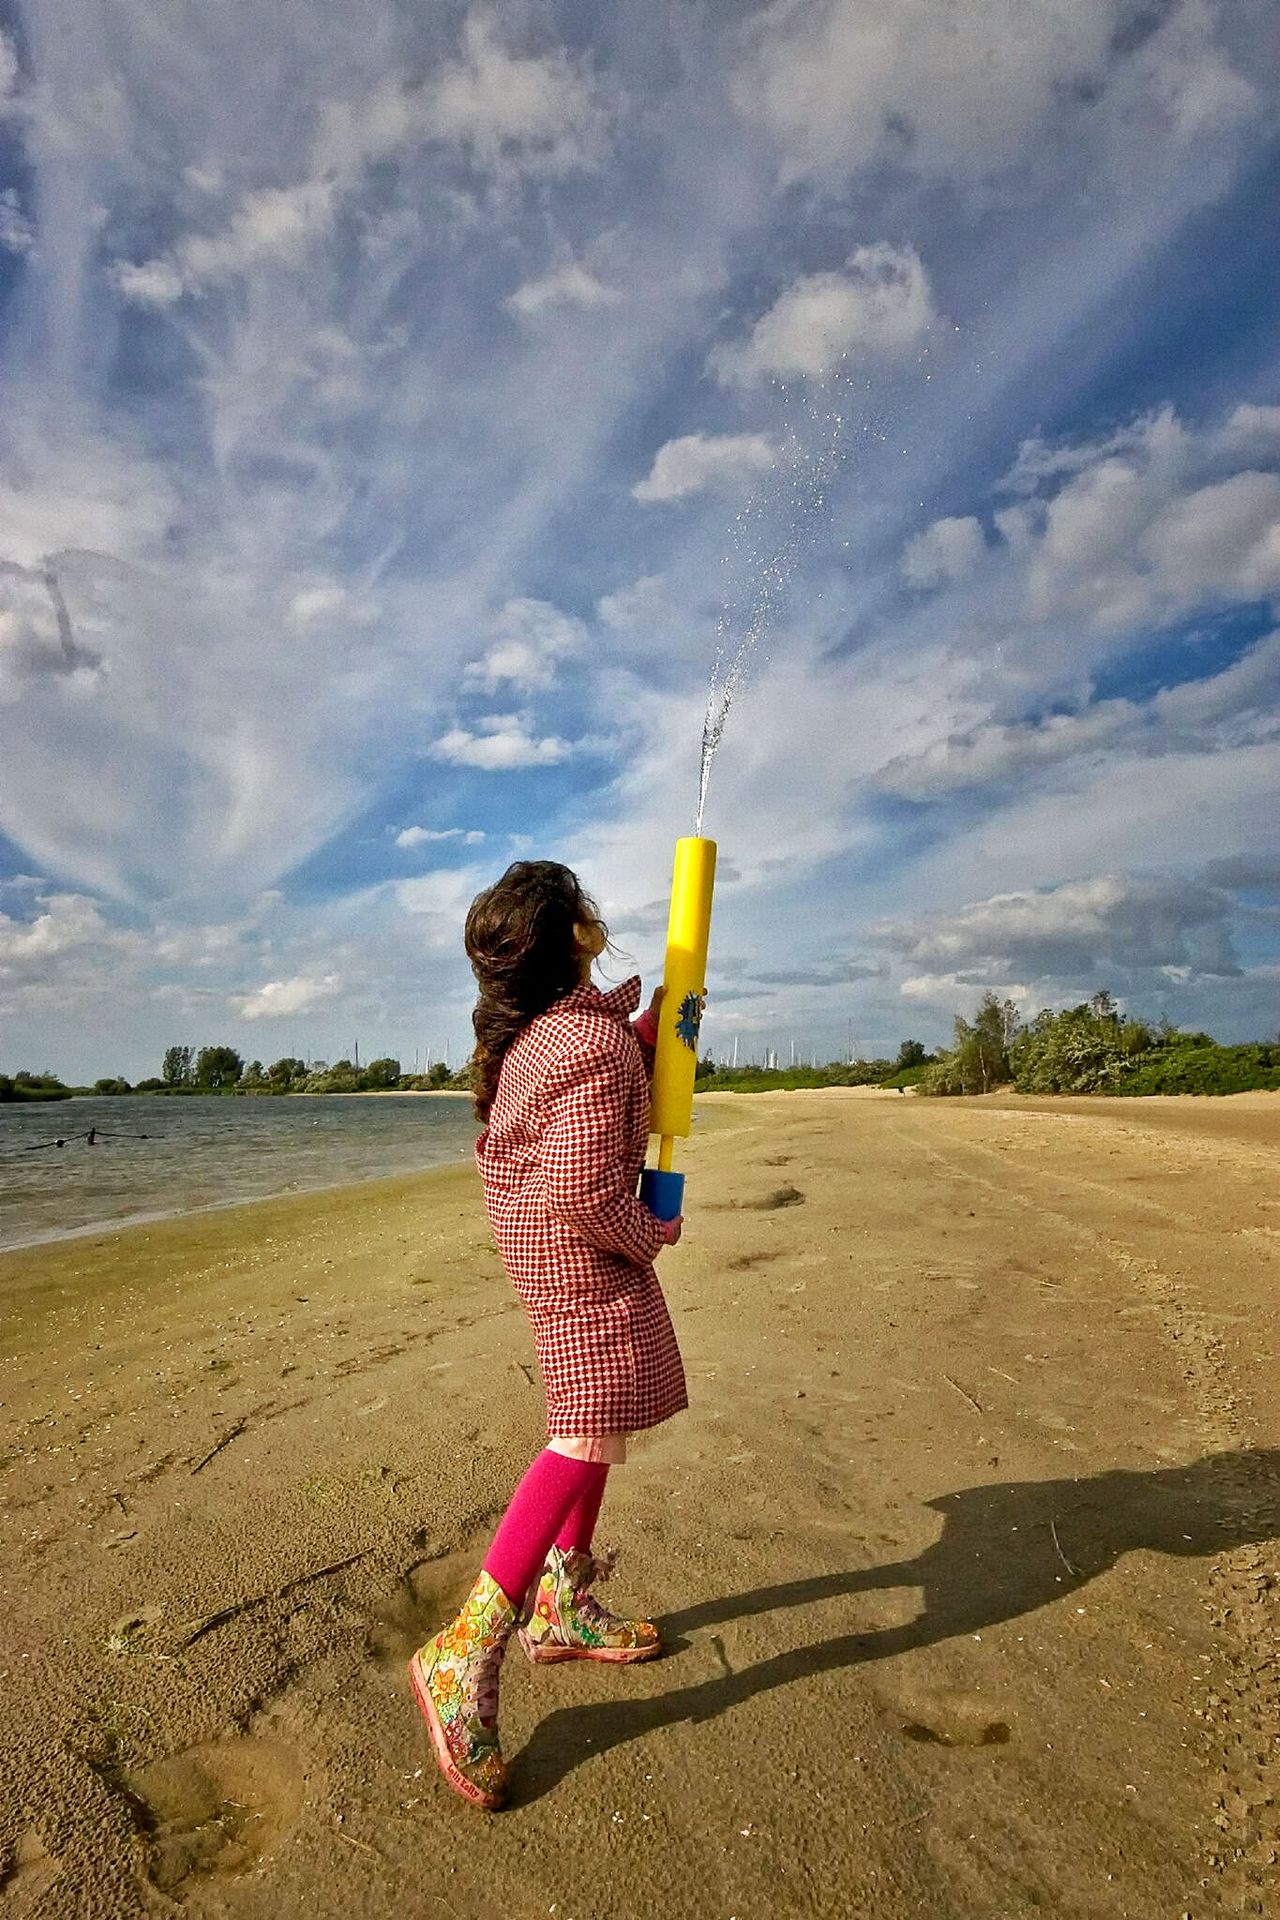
556,1503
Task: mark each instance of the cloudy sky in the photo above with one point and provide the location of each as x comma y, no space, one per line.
399,406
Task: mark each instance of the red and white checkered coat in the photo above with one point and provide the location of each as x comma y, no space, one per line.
559,1159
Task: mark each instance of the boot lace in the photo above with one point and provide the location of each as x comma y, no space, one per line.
599,1567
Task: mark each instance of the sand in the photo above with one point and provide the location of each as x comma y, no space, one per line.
965,1554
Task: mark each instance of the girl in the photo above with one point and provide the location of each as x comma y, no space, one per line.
561,1079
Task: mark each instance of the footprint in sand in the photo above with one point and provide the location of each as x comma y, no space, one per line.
743,1262
953,1717
28,1875
423,1600
216,1811
780,1197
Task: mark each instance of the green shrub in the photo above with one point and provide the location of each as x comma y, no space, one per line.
1082,1049
910,1076
1201,1068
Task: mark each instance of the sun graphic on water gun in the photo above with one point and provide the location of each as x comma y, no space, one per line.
689,1019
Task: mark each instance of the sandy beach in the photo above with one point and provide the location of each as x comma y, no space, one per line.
965,1553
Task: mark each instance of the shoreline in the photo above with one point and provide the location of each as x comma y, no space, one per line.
1096,1106
258,1205
130,1222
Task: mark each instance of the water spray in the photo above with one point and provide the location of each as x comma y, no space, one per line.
684,974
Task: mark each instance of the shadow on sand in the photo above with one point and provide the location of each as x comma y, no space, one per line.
995,1559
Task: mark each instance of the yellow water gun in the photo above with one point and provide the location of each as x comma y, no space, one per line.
680,1017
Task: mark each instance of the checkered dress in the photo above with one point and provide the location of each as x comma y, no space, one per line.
559,1160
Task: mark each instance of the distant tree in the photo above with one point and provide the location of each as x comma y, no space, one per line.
1082,1049
112,1086
282,1072
341,1077
438,1076
218,1067
253,1078
979,1058
911,1054
706,1067
150,1086
380,1074
178,1070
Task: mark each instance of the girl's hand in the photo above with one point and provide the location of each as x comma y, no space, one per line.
646,1027
671,1229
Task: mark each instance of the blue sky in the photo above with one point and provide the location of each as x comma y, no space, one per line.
398,407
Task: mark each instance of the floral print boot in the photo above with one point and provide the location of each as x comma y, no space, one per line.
455,1682
568,1622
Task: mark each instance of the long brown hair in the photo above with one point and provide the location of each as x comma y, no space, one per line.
522,945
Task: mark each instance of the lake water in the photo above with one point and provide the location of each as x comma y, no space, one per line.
206,1152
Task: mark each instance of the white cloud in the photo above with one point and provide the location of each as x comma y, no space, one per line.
941,992
532,639
700,460
1205,715
70,923
8,66
1221,540
838,82
279,997
1115,812
568,286
1250,434
16,232
1130,534
510,115
151,283
972,91
329,602
503,744
58,494
1076,930
36,638
437,905
646,603
428,836
947,551
1188,79
541,113
272,226
1100,541
996,753
879,308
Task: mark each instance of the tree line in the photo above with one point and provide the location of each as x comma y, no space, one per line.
1089,1048
221,1070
